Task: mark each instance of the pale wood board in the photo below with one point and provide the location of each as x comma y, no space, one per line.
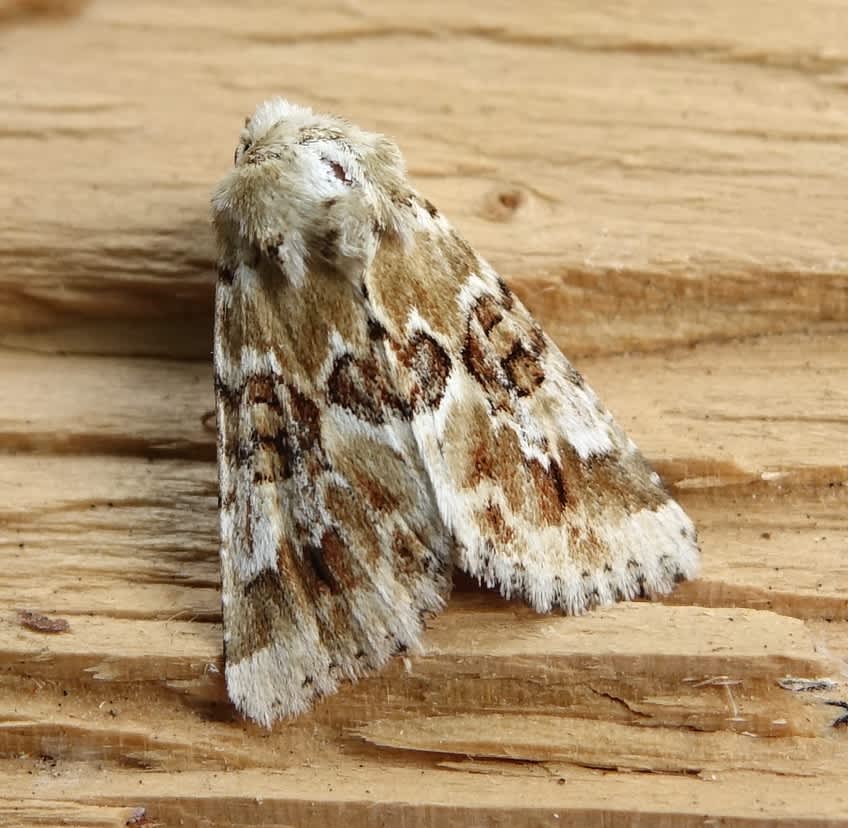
665,187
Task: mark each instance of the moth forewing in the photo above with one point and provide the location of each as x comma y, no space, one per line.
388,408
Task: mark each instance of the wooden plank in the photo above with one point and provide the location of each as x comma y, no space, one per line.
504,659
663,186
511,795
751,527
723,417
42,813
714,191
605,745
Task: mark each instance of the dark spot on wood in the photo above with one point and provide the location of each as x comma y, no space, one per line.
208,421
511,199
502,204
37,622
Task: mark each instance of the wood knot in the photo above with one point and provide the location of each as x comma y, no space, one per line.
503,203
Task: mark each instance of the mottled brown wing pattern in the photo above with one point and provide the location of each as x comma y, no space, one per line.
331,545
385,407
547,497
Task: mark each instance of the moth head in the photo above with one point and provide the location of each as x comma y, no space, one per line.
306,186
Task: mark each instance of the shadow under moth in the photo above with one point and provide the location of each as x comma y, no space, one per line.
388,410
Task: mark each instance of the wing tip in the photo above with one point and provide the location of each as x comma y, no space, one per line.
272,683
651,552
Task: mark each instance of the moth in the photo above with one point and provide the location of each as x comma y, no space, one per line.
388,410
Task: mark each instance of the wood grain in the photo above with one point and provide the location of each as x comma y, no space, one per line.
664,186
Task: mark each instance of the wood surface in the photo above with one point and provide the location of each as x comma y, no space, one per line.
663,183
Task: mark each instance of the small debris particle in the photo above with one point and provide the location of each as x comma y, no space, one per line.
37,622
138,818
842,721
804,685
